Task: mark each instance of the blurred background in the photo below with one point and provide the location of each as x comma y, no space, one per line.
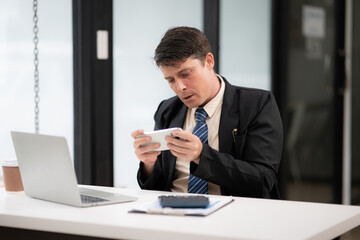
304,51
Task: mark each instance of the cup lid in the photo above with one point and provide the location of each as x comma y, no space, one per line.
10,163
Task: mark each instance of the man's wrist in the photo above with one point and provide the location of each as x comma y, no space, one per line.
148,169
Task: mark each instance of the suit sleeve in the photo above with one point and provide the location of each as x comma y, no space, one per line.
253,173
157,180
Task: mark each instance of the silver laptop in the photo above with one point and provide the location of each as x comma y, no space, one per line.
47,172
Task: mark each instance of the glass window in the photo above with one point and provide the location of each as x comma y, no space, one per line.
245,42
17,70
139,85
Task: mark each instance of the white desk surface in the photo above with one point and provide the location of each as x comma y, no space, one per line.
245,218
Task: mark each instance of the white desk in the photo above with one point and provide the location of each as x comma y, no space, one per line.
245,218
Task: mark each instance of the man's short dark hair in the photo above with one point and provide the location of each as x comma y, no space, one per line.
180,43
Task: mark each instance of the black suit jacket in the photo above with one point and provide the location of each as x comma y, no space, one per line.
247,163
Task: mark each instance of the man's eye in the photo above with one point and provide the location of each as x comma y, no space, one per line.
170,80
184,75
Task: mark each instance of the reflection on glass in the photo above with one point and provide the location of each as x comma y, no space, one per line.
309,148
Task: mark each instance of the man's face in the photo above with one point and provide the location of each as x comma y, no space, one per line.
192,81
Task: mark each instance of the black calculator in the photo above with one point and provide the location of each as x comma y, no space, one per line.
184,201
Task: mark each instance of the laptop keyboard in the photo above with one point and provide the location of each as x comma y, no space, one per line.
91,199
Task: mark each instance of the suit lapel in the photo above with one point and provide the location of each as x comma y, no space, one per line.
229,118
179,119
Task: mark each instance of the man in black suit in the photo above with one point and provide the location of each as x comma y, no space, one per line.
242,150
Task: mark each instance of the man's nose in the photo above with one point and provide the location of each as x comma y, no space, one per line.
180,85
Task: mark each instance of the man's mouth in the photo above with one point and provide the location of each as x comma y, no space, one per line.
187,97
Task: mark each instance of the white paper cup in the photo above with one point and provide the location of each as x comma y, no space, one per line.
12,177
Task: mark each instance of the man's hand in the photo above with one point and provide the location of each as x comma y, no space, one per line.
188,147
145,154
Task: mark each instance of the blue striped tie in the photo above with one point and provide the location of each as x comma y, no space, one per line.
198,185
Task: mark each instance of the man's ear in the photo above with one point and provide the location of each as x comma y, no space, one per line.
209,61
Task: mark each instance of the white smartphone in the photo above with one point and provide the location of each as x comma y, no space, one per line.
158,136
